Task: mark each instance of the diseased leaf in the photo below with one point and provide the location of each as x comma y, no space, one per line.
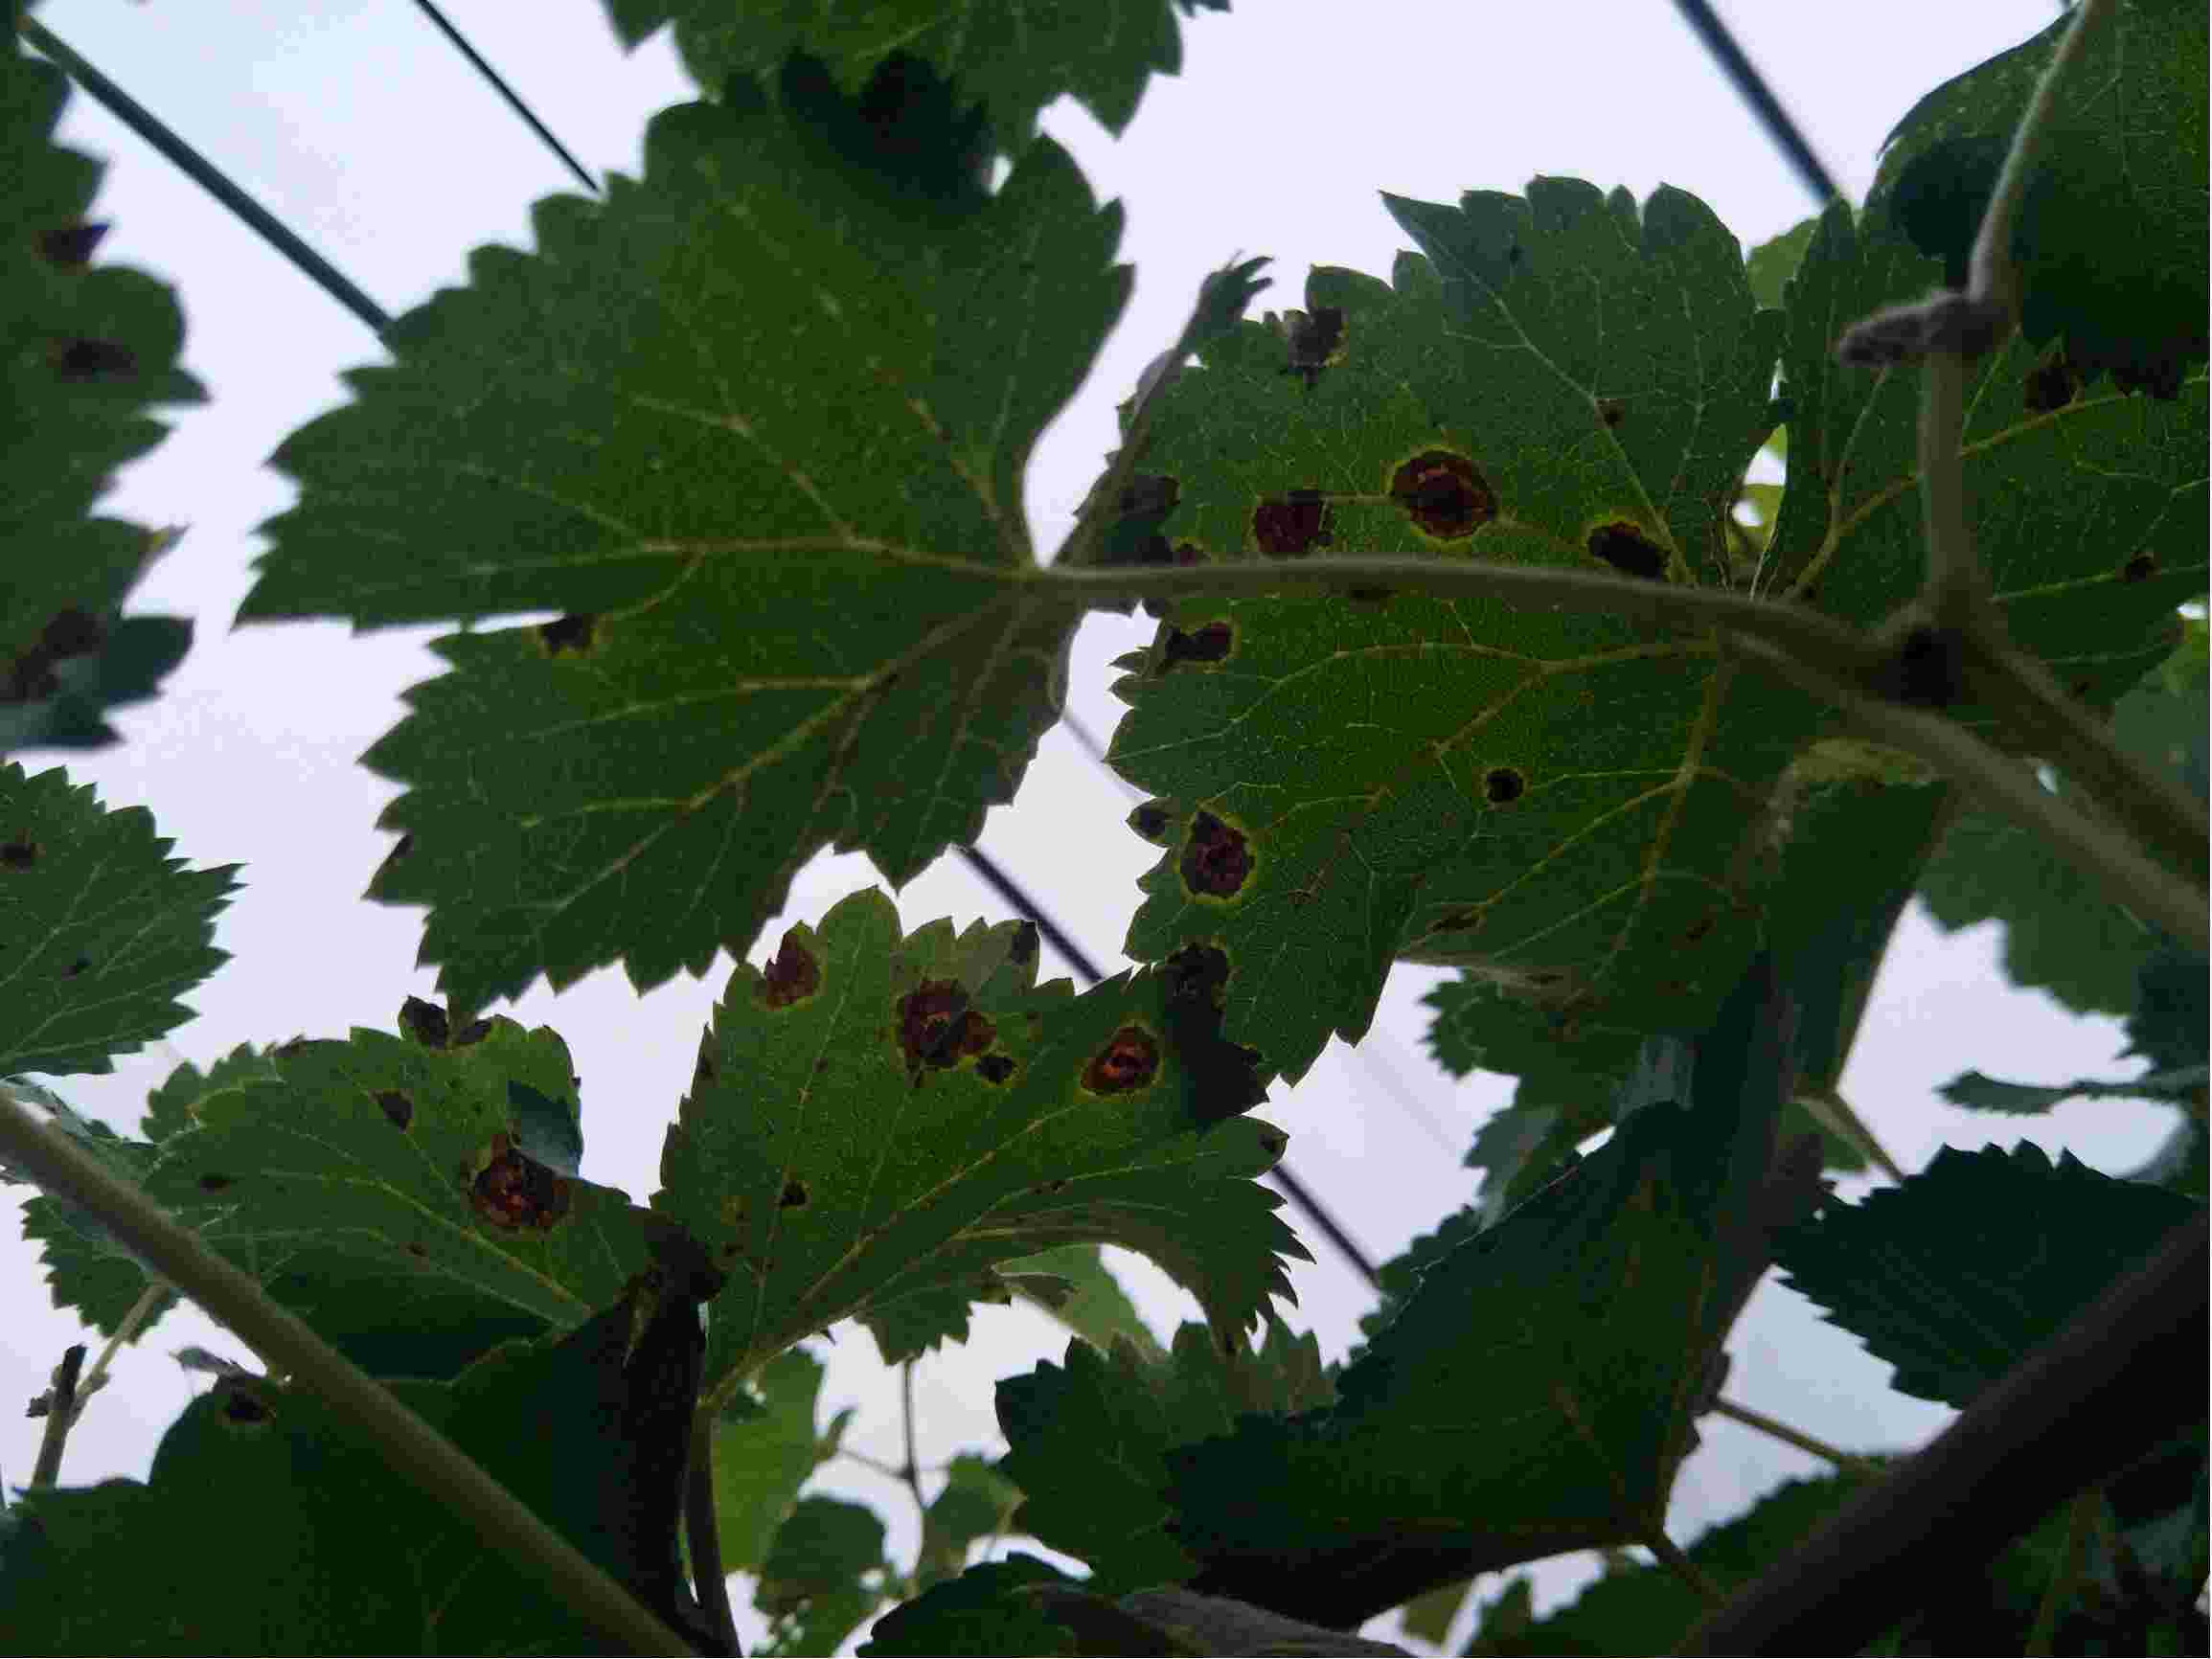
409,1160
756,425
104,930
1592,1315
1954,1276
1088,1440
92,349
1102,53
876,1121
2122,145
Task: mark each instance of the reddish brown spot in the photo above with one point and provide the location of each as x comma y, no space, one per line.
213,1183
932,1025
72,245
1129,1061
1502,785
794,1195
515,1191
1216,859
792,974
569,633
1293,526
398,1109
22,855
994,1068
1209,644
1611,411
1628,550
1150,821
82,360
1443,495
2138,568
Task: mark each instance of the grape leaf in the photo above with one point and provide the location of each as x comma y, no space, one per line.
2122,145
1016,56
1088,1438
874,1117
766,1447
324,1548
819,1581
1768,267
87,1267
976,1502
756,425
1994,1095
982,1612
1954,1276
1099,1309
105,928
410,1159
1539,1391
92,348
1559,797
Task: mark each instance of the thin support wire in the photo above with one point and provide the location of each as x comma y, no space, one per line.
506,91
1752,86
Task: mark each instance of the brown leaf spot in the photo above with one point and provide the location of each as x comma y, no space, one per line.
569,633
2140,567
417,1250
398,1109
82,360
1150,821
425,1022
794,1195
1628,550
515,1191
930,1024
1209,644
1216,859
72,245
214,1183
1293,526
994,1068
1130,1060
792,974
1611,411
1502,786
1444,496
23,854
2051,384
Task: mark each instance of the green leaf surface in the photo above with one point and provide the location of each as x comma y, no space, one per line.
408,1159
819,1580
90,350
1539,1391
1430,1617
877,1118
1098,1310
105,929
1088,1440
324,1548
757,426
2111,237
1647,1608
1768,267
1954,1276
1556,796
1994,1095
174,1106
766,1446
87,1267
982,1612
975,1504
1014,55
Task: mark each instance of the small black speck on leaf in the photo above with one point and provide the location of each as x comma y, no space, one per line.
1503,784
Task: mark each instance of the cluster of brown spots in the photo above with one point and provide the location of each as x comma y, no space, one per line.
1211,644
569,633
792,974
1443,495
1217,859
515,1191
1291,526
398,1109
1130,1060
1501,785
1628,550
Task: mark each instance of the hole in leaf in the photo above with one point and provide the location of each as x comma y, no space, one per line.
1216,859
1444,496
1628,550
568,633
398,1109
1502,786
1130,1060
994,1068
1293,526
792,974
1209,644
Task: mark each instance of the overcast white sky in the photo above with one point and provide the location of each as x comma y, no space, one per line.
356,124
